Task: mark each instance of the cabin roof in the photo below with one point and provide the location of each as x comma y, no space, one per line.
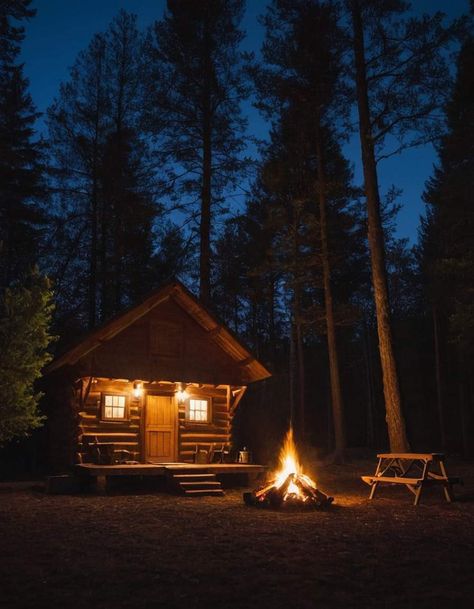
178,293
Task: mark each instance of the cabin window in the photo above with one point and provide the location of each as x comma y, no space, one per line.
114,407
198,410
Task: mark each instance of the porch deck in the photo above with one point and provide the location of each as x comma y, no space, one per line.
188,478
163,469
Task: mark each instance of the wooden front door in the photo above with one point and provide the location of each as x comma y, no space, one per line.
160,428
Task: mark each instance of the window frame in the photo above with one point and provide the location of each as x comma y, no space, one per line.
125,417
199,398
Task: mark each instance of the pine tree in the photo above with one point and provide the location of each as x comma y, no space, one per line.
126,222
449,195
248,276
172,256
25,319
196,86
393,55
77,125
21,215
447,251
104,204
303,53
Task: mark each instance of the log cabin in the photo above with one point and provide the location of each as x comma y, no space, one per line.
152,385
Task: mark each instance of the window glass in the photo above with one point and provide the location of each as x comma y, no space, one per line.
198,410
114,407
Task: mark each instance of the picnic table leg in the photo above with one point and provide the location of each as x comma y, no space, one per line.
372,490
373,487
447,487
418,493
420,485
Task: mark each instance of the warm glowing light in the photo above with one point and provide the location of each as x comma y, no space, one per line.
182,395
293,489
137,389
290,475
289,485
289,462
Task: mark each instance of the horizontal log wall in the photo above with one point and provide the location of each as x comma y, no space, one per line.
129,434
123,434
217,431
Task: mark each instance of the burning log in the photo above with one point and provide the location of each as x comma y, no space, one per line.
290,486
307,484
295,491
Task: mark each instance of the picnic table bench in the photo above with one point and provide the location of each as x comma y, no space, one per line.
414,471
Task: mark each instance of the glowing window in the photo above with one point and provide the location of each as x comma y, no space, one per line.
114,407
198,410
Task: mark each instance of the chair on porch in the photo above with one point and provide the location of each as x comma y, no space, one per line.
201,453
100,453
211,453
219,453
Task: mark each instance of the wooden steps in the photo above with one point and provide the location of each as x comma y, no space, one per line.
197,484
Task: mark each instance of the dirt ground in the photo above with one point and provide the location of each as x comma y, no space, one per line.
136,548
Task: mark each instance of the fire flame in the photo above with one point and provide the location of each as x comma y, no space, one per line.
289,485
290,465
289,462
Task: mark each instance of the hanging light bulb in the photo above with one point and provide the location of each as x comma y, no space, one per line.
181,394
137,389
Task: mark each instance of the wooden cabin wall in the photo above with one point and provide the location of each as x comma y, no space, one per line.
123,434
217,431
129,434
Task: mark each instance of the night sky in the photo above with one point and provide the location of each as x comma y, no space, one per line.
62,28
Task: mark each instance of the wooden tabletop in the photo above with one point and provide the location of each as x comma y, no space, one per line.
412,456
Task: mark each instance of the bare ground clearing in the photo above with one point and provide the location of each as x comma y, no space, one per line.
148,549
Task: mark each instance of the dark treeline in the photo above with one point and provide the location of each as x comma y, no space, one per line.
145,153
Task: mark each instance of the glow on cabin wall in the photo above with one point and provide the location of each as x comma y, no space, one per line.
137,389
181,395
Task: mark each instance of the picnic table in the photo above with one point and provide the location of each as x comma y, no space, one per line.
414,471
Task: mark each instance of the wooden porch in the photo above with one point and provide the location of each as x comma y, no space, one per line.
162,469
188,478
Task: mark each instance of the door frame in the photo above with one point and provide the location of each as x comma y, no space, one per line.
167,394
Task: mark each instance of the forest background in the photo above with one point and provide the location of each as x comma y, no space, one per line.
144,168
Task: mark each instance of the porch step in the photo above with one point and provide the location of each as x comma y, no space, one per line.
203,492
197,484
200,485
193,477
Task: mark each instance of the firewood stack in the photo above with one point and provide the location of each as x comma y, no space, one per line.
296,491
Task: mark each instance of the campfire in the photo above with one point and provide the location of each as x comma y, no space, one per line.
289,486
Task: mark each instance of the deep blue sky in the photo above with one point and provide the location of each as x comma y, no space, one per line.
62,28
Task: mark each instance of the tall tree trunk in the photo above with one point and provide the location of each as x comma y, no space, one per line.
95,203
119,220
92,296
292,369
272,329
439,388
299,361
394,415
6,245
371,441
205,225
334,373
119,204
299,376
464,411
103,270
